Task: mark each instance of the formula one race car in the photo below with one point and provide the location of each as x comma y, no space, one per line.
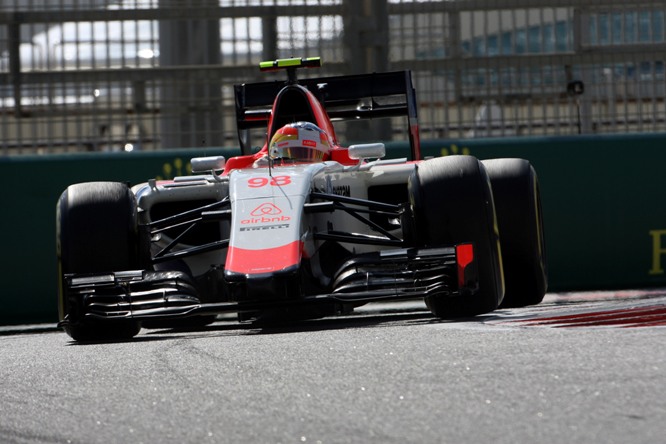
303,228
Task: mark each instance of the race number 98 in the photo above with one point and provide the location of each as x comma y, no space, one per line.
275,181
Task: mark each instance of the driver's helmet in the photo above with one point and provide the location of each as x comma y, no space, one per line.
300,142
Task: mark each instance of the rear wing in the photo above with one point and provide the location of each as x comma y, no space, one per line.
361,96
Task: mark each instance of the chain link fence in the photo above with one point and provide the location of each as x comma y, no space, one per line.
104,75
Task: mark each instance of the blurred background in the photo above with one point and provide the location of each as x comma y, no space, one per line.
130,75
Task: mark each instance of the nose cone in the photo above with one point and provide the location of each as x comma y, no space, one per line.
266,287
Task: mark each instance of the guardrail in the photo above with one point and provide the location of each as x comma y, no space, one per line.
603,203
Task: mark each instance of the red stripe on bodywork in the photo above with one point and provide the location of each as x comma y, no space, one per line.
267,260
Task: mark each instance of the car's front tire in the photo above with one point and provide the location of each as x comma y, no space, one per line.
452,203
96,232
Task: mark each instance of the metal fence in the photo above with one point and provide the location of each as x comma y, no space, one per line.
94,75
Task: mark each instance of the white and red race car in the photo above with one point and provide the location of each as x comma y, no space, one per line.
303,228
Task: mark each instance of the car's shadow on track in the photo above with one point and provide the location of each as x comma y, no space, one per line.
413,317
229,326
330,323
227,329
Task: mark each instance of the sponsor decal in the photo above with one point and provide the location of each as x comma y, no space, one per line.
264,227
264,220
266,209
342,190
177,167
453,149
309,143
266,213
658,251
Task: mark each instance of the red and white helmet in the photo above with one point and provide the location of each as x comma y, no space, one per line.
301,142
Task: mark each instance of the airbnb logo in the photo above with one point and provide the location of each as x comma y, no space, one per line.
266,209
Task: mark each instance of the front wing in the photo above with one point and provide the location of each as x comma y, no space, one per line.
380,276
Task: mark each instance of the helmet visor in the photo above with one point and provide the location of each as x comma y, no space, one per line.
297,154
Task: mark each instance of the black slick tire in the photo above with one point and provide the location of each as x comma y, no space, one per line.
518,206
452,203
96,232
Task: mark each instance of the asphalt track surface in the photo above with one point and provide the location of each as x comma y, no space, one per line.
578,368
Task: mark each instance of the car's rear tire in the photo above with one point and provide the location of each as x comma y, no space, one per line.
96,232
452,203
518,207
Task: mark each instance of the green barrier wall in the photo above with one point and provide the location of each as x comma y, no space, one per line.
604,204
30,190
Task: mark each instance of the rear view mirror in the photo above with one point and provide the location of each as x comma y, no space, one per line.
367,151
207,164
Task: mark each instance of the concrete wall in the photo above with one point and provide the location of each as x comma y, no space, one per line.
604,204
